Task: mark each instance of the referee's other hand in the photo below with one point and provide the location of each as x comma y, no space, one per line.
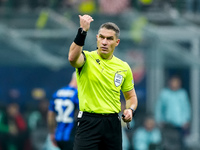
128,115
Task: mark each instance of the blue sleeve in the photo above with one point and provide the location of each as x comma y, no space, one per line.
52,104
76,101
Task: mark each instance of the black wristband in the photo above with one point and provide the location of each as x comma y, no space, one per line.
80,37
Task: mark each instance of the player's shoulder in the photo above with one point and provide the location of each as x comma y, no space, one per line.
55,94
62,88
66,91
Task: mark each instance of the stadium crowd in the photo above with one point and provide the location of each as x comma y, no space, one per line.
111,7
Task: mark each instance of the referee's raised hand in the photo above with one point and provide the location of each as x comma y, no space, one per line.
85,21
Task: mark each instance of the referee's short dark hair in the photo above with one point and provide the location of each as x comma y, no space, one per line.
111,26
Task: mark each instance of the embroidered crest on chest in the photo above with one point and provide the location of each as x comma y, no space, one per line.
118,79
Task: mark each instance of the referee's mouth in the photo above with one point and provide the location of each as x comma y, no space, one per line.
104,48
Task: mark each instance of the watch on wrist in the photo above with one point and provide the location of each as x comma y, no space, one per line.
133,111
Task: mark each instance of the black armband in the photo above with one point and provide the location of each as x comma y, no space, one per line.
80,37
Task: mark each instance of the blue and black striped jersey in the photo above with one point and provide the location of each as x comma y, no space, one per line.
63,103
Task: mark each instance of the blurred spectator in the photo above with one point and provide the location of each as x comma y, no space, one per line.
147,137
87,6
173,114
4,130
59,4
37,121
113,7
15,95
144,5
61,115
14,133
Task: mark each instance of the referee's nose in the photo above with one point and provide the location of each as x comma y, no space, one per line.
104,41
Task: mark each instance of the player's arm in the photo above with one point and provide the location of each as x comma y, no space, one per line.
131,104
75,57
51,122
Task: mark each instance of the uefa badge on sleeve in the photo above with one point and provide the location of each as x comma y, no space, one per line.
118,79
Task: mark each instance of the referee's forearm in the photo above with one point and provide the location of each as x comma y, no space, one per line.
131,99
132,103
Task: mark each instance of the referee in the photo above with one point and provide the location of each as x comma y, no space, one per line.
100,77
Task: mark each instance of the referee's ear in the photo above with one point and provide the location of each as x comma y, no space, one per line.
117,42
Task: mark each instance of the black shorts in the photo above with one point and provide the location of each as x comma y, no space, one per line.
98,132
65,145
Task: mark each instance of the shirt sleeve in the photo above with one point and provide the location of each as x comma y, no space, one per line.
128,83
